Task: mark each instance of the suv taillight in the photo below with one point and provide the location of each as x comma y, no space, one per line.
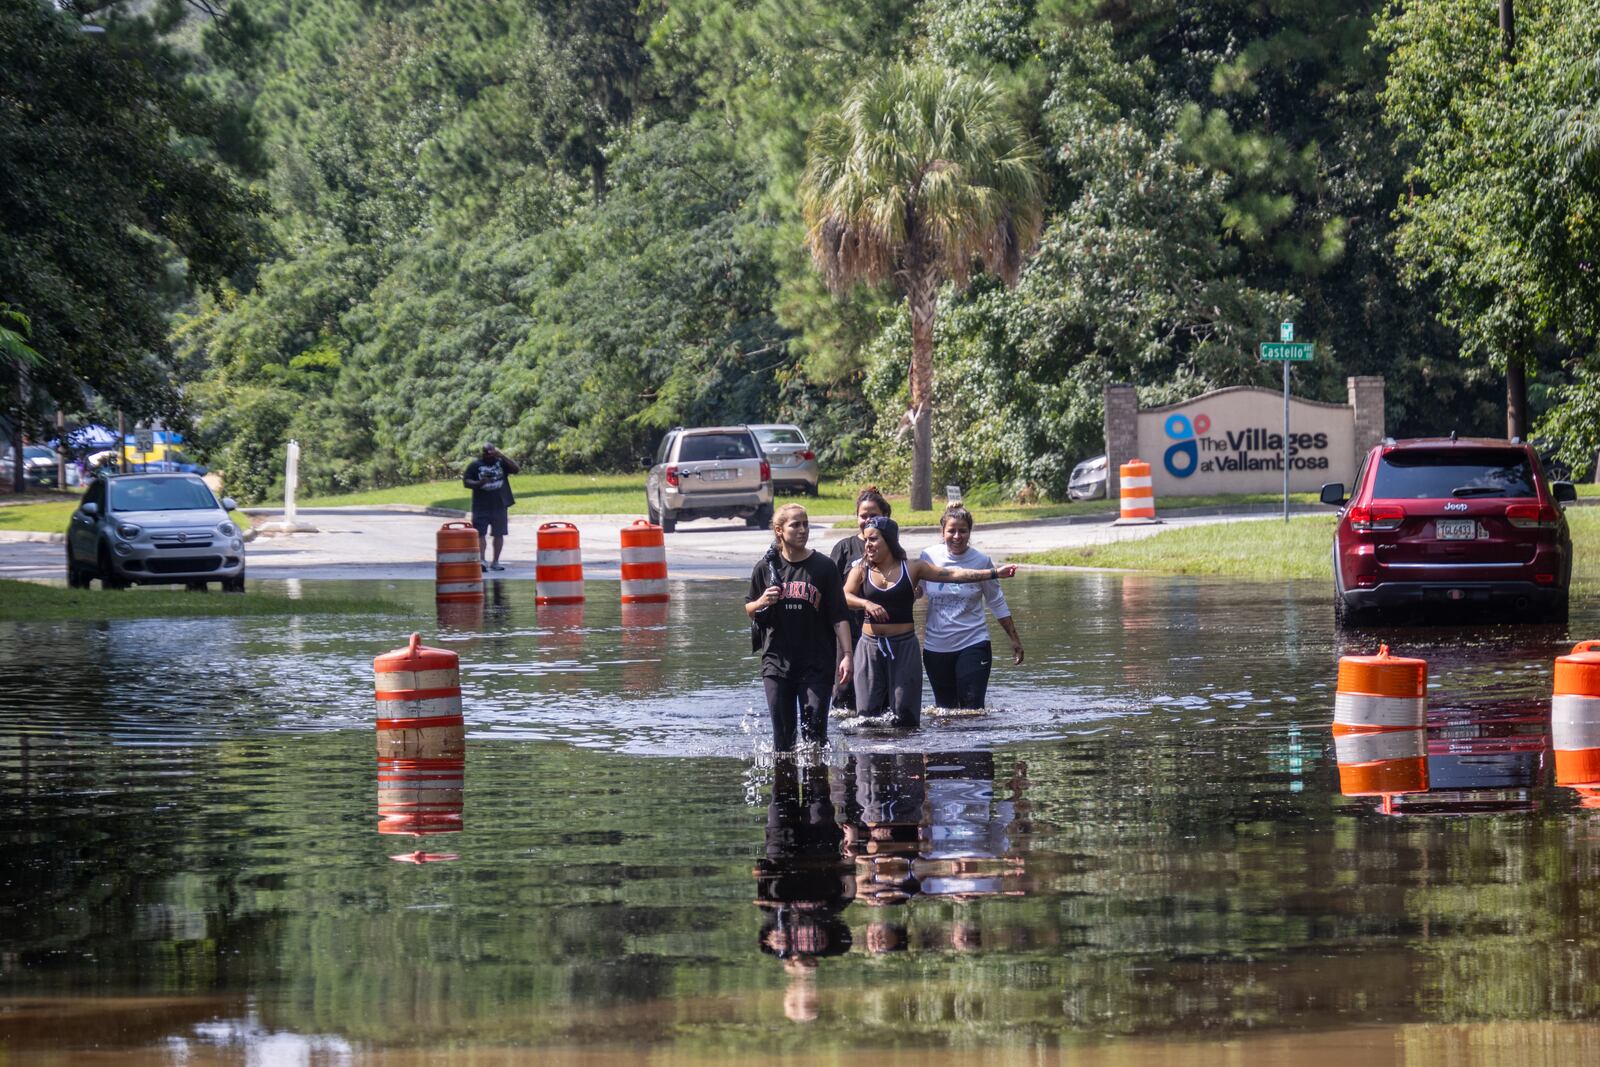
766,471
672,477
1532,516
1377,517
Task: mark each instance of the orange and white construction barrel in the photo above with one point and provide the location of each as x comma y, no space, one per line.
420,796
1137,490
558,574
418,691
1382,762
457,573
1575,715
644,563
1381,692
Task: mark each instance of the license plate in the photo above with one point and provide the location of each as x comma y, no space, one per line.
717,475
1456,529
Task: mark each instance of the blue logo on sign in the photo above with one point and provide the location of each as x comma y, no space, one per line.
1184,456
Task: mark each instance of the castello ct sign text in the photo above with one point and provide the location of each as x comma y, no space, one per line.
1225,442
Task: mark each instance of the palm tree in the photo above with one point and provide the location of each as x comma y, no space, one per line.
922,173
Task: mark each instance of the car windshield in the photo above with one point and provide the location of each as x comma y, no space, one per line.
37,452
161,494
704,446
781,435
1424,475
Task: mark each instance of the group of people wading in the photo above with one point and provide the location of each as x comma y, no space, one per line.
838,631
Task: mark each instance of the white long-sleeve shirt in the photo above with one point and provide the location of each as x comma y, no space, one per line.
955,609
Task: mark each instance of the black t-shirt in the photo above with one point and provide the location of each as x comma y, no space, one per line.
495,492
844,553
797,632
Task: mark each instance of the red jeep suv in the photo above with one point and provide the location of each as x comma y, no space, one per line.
1441,522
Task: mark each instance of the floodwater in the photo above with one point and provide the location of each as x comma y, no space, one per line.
1140,855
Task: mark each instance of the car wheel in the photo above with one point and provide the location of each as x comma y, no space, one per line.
234,585
77,577
1555,615
669,520
109,579
650,510
813,490
761,517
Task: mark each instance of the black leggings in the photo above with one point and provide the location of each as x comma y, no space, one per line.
804,697
960,679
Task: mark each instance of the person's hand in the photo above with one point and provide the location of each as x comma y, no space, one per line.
844,669
876,612
1016,653
1009,570
770,596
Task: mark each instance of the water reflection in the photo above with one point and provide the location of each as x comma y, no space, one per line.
1141,844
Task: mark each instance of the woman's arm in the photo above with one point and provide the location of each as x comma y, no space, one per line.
768,597
852,589
1016,642
921,570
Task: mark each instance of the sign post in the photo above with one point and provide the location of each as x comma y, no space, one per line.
1286,351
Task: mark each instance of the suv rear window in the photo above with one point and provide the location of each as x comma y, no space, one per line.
704,446
1423,475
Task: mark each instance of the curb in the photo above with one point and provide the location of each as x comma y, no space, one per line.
349,509
32,537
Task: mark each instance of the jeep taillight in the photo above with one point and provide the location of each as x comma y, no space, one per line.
1377,517
672,477
1532,516
766,471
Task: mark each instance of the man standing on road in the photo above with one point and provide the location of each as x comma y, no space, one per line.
487,477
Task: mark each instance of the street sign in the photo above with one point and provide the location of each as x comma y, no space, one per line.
1299,352
144,439
1286,331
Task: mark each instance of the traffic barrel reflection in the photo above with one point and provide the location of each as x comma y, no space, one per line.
1381,692
1575,716
1382,763
457,573
644,564
420,797
558,573
644,645
418,692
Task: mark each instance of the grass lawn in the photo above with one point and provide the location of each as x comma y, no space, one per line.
32,602
1270,549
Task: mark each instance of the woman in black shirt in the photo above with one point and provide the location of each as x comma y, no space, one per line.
797,603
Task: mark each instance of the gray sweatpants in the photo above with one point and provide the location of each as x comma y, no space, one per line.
889,678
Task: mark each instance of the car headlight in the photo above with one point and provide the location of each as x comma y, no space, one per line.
226,529
128,531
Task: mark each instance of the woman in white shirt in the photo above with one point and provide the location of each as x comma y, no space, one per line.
955,647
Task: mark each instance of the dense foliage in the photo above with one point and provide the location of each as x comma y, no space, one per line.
568,227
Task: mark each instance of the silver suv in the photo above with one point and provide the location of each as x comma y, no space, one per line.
709,472
150,529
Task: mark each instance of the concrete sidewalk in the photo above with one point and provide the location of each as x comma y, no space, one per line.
383,544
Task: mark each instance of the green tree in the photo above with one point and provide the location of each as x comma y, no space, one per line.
111,206
1504,214
920,177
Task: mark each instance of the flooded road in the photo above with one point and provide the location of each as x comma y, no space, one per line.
1141,854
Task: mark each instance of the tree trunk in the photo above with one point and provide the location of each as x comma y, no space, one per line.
1516,399
19,482
922,296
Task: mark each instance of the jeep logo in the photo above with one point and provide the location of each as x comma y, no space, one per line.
1455,506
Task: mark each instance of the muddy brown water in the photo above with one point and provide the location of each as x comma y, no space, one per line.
1139,854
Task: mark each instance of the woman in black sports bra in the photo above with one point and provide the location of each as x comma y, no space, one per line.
888,660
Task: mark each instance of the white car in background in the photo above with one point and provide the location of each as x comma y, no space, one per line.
1088,481
794,461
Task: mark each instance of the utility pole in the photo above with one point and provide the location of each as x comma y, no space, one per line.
1516,369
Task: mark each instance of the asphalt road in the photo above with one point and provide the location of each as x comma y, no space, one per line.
388,545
